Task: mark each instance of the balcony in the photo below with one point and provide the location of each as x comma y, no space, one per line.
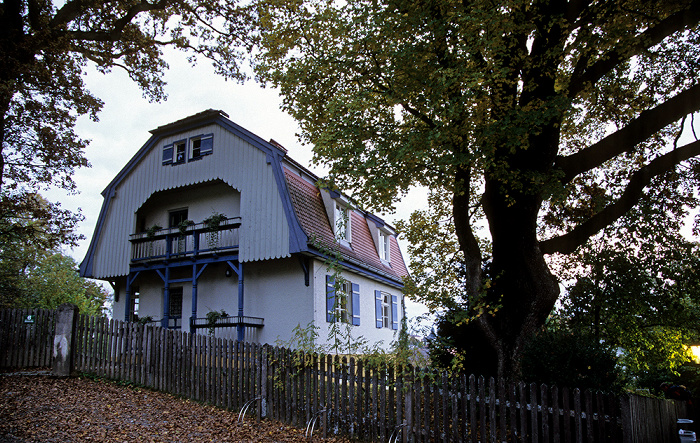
195,240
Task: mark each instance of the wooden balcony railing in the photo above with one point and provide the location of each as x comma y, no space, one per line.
195,240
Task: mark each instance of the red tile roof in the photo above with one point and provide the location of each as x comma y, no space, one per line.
311,212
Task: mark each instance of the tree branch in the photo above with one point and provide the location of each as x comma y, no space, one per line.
103,35
568,242
644,126
652,36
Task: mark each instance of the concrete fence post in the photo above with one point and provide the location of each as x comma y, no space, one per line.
66,320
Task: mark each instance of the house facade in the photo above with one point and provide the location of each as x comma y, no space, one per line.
208,225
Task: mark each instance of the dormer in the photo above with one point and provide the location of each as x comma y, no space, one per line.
339,210
381,234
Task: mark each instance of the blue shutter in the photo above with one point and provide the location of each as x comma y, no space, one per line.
168,155
207,145
394,312
378,308
330,299
355,304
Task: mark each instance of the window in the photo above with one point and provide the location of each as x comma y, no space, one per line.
386,310
175,302
342,222
179,148
345,307
384,246
200,146
135,295
176,217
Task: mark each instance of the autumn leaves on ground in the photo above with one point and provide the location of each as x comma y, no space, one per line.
39,408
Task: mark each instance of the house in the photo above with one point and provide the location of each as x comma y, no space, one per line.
208,217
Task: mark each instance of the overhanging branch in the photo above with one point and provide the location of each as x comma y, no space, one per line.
568,242
686,18
647,124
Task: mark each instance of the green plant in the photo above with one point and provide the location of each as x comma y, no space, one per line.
212,223
213,317
151,232
183,225
145,320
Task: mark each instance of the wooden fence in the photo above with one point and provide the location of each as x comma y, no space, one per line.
26,337
348,395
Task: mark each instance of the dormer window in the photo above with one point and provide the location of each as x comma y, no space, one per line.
342,222
384,246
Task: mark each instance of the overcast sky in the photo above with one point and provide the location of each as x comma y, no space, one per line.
127,117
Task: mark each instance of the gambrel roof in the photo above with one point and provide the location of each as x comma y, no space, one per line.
273,186
310,210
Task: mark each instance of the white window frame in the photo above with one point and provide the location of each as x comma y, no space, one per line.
193,141
344,305
384,246
386,310
179,152
342,216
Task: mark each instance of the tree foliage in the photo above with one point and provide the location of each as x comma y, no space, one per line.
644,304
545,121
44,48
33,274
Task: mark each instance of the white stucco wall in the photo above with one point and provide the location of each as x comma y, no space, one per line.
367,328
273,290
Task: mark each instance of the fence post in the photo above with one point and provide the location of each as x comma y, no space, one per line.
626,412
63,361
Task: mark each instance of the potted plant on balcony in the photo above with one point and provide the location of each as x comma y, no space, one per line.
213,222
150,233
182,227
213,317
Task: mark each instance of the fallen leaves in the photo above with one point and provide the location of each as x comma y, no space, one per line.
36,408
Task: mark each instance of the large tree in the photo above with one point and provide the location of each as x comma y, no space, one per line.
45,46
544,121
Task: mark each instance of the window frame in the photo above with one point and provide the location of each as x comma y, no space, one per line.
342,216
386,310
384,246
204,149
176,145
179,292
350,313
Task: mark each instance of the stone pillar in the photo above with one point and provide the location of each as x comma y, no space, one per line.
66,320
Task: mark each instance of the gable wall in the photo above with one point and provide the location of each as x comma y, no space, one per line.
264,229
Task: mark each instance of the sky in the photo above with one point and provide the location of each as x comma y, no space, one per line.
126,119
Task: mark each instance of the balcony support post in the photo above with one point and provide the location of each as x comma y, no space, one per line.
165,321
127,295
241,328
239,272
196,273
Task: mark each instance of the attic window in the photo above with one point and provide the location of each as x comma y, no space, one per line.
177,152
201,145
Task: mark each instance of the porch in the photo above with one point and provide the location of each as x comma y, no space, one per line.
187,241
169,252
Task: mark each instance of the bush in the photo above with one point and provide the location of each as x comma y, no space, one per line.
571,359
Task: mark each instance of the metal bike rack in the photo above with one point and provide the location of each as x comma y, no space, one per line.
394,437
311,424
246,406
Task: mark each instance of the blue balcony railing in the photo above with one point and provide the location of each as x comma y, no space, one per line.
195,240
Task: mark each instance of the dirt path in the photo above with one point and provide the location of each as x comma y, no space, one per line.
38,408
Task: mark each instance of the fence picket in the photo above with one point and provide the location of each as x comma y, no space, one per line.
364,401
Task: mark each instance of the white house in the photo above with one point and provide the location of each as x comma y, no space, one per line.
208,216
